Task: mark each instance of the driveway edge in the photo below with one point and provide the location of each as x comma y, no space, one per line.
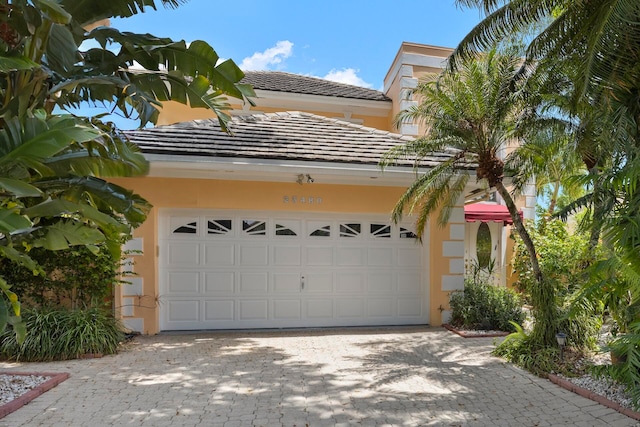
568,385
15,404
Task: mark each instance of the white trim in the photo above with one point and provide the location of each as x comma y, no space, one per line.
410,59
292,101
243,169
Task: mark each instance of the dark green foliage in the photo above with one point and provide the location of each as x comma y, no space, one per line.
483,306
521,349
73,278
627,349
62,334
562,257
582,329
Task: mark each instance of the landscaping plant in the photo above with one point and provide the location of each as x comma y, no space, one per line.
60,334
484,306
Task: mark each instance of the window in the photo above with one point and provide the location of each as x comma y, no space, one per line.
282,230
254,227
406,234
350,230
190,228
483,245
381,230
324,231
219,226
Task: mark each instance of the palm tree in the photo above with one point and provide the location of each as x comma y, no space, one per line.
475,114
52,165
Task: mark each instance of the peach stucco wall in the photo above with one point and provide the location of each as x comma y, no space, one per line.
263,196
174,112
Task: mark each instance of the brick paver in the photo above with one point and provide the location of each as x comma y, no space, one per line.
345,377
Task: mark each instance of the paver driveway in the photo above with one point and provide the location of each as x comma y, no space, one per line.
389,376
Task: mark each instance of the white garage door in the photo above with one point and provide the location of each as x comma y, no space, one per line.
234,270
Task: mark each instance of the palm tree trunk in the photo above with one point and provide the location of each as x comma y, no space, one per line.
543,296
554,199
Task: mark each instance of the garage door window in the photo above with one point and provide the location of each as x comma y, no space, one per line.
254,227
381,231
350,230
324,231
219,226
283,230
190,228
407,234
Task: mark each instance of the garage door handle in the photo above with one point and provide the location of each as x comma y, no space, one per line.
302,282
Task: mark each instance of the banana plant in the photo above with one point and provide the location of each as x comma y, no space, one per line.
52,166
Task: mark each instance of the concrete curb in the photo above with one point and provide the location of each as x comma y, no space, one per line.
465,334
15,404
568,385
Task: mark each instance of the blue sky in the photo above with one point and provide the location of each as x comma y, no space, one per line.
351,41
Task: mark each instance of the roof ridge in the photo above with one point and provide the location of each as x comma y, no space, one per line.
312,77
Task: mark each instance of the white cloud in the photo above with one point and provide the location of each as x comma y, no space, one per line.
272,56
348,76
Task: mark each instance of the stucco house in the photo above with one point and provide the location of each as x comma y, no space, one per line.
285,223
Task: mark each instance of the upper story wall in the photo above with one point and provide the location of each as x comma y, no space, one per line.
412,62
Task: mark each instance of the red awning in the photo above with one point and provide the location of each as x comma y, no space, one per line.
486,212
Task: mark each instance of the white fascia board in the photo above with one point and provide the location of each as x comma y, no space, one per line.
242,169
294,102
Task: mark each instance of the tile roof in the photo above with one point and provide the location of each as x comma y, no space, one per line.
278,81
293,136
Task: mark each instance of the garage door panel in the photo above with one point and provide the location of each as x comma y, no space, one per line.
222,282
287,309
380,307
219,310
183,282
319,255
409,257
318,308
219,254
287,256
410,307
254,255
286,283
253,309
349,282
233,270
319,283
183,254
183,311
349,307
354,257
381,281
409,282
380,257
252,283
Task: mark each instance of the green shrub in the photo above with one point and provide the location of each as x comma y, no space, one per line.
518,348
74,278
483,306
62,334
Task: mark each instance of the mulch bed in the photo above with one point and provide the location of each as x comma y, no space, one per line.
19,402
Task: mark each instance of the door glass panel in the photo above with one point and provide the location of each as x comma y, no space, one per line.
190,228
324,231
254,227
483,245
219,226
350,230
282,230
407,234
381,230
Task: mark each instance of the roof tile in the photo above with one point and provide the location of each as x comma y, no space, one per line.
295,136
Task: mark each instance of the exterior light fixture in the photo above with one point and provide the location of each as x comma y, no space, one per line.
561,337
309,179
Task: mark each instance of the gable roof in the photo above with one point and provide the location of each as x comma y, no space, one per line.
293,136
279,81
